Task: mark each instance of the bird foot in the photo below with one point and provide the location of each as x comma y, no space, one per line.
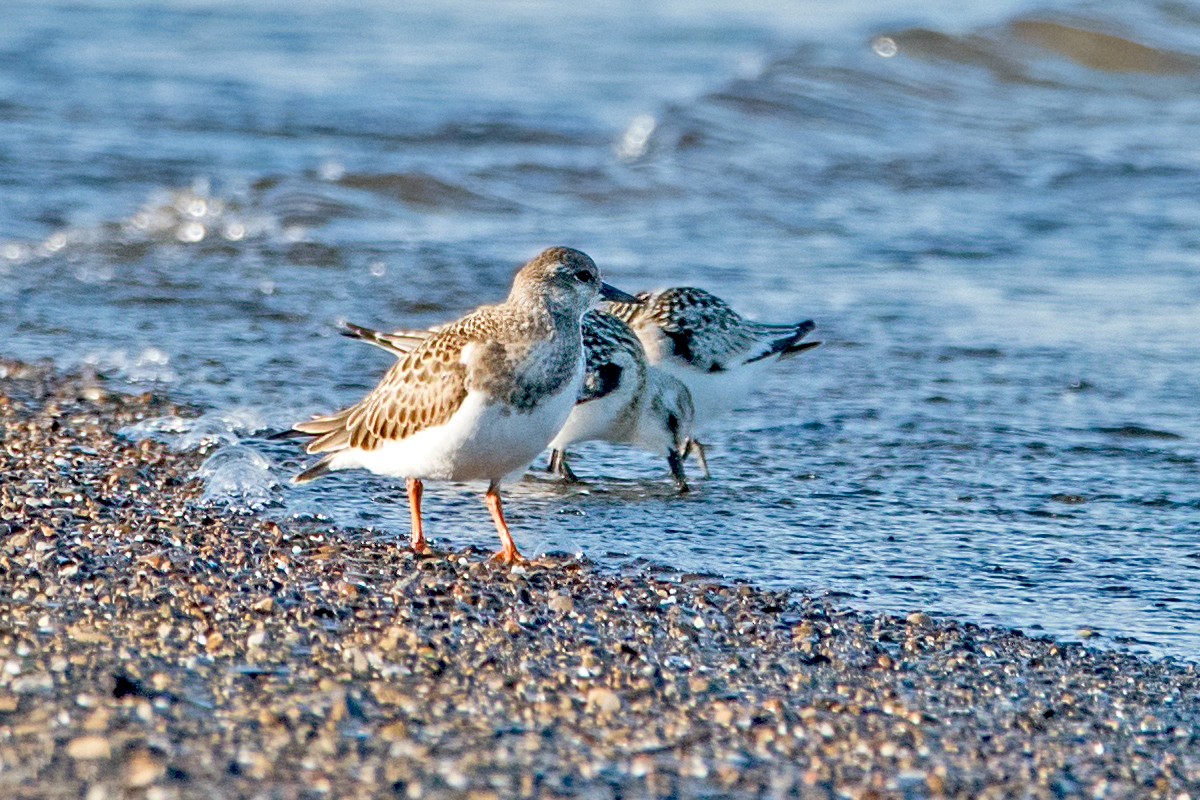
509,558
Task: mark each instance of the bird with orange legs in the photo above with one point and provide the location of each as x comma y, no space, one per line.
477,400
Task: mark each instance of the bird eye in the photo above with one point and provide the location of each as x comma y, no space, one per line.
583,276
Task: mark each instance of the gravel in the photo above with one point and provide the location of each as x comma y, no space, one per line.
154,648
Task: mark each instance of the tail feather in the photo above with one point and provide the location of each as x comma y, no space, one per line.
795,328
397,343
331,432
322,425
789,344
352,331
290,433
315,471
331,435
797,349
334,440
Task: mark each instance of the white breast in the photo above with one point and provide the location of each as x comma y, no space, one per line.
597,419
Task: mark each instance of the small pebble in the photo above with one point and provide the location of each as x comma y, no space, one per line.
89,748
143,769
604,701
203,656
562,603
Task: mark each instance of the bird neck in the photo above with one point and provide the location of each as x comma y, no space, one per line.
545,316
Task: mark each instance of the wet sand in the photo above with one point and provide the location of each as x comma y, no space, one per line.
152,648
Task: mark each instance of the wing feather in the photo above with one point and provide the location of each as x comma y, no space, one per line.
397,342
421,390
702,330
610,347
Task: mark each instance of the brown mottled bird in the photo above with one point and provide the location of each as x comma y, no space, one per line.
479,399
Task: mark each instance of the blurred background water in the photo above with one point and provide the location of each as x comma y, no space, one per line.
990,209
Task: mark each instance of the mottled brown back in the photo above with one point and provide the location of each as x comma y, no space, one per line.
422,389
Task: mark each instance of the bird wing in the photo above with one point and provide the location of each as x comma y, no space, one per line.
706,333
422,389
609,346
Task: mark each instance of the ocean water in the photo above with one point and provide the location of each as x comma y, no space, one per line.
990,209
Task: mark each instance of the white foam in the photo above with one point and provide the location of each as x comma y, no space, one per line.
237,476
149,365
223,427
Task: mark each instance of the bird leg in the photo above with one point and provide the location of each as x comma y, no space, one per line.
697,449
508,548
415,490
558,466
676,462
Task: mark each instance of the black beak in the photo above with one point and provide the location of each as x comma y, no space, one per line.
609,293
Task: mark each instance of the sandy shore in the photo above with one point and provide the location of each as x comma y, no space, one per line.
153,649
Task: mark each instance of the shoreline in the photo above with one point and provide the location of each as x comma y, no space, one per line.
153,649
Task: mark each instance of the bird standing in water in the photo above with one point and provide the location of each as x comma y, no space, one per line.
717,353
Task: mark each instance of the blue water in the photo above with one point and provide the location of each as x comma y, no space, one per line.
990,210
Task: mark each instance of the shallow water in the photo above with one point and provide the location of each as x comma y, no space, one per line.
989,211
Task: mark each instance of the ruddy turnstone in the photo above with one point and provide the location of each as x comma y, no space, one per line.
623,399
718,354
479,399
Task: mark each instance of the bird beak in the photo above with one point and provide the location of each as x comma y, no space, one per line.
610,293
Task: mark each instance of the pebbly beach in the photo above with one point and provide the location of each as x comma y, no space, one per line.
151,647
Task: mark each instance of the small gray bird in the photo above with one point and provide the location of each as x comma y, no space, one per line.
718,354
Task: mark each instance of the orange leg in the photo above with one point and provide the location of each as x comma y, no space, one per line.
415,490
508,548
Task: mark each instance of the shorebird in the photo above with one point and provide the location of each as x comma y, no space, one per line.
477,400
623,399
696,337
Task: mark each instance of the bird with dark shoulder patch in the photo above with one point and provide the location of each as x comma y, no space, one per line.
696,337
